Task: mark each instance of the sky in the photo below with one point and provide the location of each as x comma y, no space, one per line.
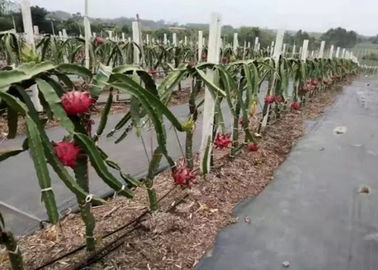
313,16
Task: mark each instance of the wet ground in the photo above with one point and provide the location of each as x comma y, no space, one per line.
320,211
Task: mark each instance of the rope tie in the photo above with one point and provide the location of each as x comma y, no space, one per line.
46,189
122,189
89,198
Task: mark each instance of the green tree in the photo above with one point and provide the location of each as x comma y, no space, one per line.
39,18
340,37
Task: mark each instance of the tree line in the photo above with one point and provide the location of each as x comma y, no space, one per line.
49,22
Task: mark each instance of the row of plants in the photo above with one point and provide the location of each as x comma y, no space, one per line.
115,53
237,83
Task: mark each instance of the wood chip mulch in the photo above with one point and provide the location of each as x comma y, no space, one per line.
179,235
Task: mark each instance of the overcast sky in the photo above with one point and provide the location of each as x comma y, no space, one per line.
315,15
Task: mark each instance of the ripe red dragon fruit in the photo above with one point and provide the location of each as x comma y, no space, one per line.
153,72
225,60
184,176
310,88
99,41
76,102
241,122
303,90
270,99
67,153
222,141
295,106
315,82
308,81
279,99
252,147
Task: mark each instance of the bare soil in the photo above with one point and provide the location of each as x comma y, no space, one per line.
185,228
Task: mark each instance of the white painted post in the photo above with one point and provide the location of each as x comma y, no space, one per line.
272,48
277,50
129,39
60,35
153,41
36,30
110,33
331,52
284,49
28,24
244,48
343,53
29,36
65,36
140,40
278,46
235,43
304,50
87,30
123,37
209,104
200,46
174,39
312,54
147,39
165,39
136,40
321,50
185,40
337,52
294,49
256,44
249,45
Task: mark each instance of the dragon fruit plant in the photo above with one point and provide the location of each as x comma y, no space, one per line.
8,240
72,109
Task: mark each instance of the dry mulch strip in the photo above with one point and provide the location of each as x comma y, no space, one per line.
176,237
